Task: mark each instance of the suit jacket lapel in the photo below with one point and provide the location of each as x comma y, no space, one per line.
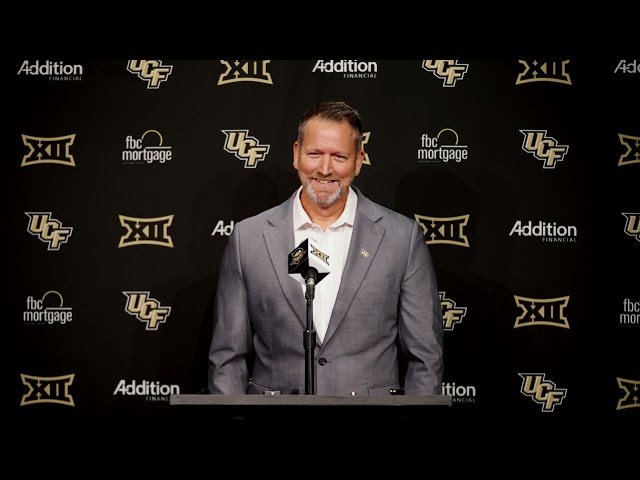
365,241
280,242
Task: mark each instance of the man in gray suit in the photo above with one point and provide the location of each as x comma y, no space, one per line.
377,313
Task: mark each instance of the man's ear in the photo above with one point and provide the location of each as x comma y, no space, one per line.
296,154
359,161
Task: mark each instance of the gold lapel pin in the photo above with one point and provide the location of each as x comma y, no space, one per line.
364,253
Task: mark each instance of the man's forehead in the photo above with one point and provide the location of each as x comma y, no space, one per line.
327,131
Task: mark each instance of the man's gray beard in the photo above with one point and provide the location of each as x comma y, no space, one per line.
323,203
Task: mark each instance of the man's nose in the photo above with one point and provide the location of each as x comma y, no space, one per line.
325,165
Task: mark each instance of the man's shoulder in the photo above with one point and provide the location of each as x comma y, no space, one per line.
258,218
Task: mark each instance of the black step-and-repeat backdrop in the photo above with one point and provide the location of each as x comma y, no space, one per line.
126,177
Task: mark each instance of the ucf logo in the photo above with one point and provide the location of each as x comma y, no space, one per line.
48,229
47,390
451,314
632,226
543,147
245,147
537,311
632,155
151,71
48,150
245,71
146,231
542,391
536,71
450,71
444,229
146,309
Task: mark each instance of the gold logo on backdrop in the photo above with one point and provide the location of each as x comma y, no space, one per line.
48,150
451,314
245,147
450,71
146,309
245,71
535,71
365,140
542,311
48,229
47,390
543,147
444,229
151,71
632,155
541,391
146,231
631,389
632,226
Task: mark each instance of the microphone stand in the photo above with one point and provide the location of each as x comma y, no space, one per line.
309,339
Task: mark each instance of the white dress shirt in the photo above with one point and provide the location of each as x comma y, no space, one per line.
334,242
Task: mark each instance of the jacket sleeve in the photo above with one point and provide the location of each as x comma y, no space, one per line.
231,338
420,321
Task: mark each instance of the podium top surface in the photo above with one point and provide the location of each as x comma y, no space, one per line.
311,400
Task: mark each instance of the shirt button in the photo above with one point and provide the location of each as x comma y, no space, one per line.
322,361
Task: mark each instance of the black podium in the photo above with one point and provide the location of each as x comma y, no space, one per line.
280,408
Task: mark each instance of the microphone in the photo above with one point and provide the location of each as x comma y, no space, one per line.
307,264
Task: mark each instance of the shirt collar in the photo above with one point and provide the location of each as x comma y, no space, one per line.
301,218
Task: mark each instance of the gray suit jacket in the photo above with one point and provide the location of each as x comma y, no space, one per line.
385,330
